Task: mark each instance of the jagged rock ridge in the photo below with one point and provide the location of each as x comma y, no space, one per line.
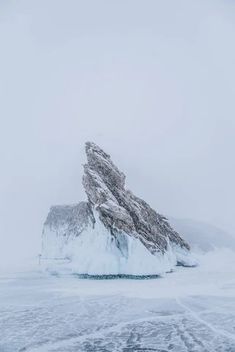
119,209
114,231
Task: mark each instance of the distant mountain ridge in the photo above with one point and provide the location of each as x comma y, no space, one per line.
203,236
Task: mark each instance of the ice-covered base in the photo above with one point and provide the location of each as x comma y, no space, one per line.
96,252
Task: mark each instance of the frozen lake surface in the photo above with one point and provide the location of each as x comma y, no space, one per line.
190,310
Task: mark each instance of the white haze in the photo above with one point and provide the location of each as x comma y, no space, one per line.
152,82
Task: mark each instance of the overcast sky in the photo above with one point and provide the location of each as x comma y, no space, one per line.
151,82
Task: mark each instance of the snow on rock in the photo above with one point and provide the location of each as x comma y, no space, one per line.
115,232
63,225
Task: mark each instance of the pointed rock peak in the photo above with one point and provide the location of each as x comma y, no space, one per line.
119,209
92,148
100,174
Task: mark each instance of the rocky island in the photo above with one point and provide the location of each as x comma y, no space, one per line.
114,232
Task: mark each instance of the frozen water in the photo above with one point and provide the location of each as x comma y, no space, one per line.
189,310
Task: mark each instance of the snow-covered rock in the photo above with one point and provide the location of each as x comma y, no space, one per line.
115,232
63,225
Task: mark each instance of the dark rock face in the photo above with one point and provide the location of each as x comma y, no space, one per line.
119,209
70,219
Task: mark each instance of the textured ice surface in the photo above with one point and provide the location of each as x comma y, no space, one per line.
190,310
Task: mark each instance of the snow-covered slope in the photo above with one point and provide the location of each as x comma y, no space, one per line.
203,236
115,232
